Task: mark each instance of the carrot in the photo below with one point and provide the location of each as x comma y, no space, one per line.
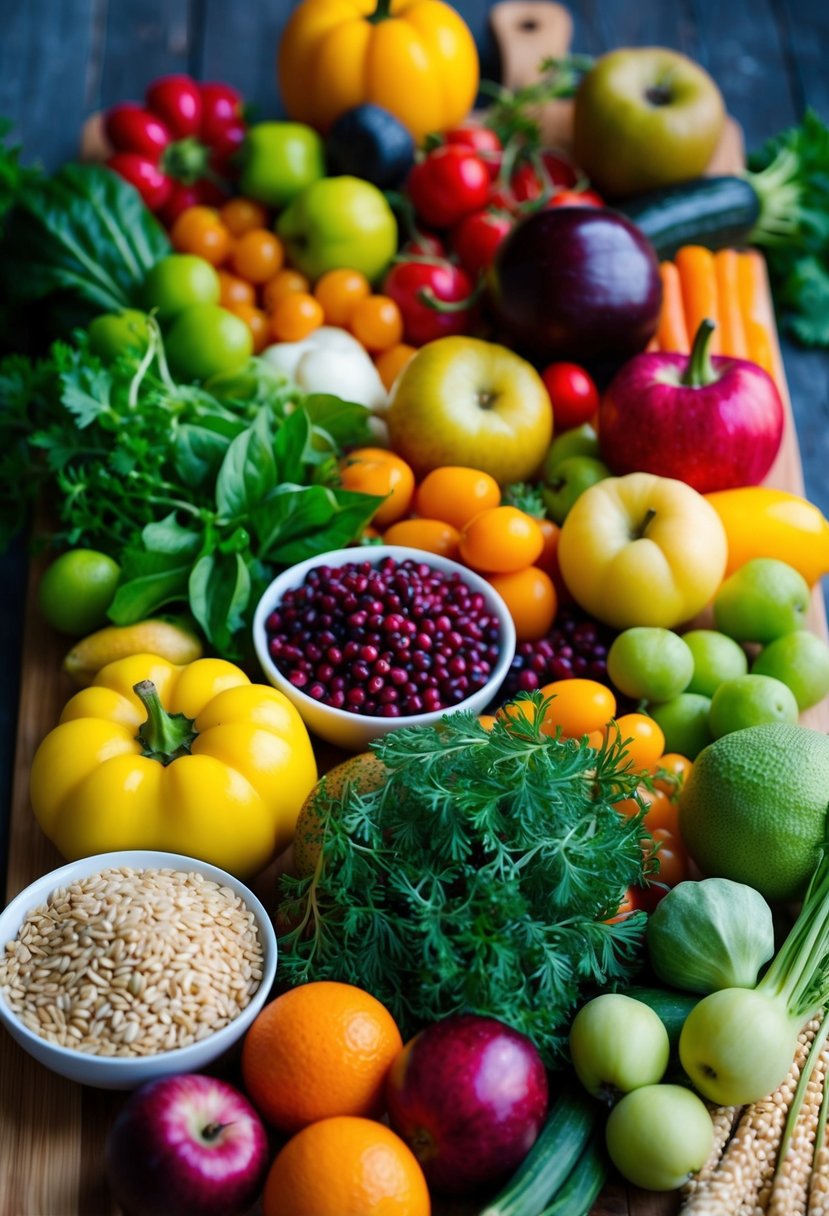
672,332
699,290
753,292
732,327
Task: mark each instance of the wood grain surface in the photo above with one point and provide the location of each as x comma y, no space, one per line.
52,1132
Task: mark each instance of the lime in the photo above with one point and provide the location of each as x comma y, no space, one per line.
77,589
750,700
801,661
753,808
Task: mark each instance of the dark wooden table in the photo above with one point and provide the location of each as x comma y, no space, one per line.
61,60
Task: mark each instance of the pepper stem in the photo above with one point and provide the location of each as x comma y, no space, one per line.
164,736
381,12
700,371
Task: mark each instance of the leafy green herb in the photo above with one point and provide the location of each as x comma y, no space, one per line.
478,876
790,175
513,114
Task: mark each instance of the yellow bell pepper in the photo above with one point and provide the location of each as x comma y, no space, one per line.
761,521
190,759
415,58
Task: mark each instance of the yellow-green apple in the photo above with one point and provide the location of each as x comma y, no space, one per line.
464,401
339,222
642,550
645,117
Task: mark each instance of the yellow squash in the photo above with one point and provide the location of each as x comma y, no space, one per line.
415,58
761,521
191,759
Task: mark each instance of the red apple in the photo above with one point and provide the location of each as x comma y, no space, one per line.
187,1145
714,423
469,1096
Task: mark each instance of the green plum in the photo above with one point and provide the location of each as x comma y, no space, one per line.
658,1135
761,601
617,1044
750,700
650,663
114,332
177,281
684,723
717,657
801,661
205,340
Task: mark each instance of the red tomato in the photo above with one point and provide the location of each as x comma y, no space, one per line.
477,237
221,109
417,286
448,184
154,186
575,198
532,180
573,393
177,102
131,128
481,140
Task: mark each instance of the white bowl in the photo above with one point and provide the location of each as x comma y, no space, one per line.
127,1072
354,731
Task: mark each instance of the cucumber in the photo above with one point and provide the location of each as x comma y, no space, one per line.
717,212
671,1007
583,1184
570,1125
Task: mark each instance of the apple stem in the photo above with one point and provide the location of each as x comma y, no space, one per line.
650,514
163,736
700,371
212,1130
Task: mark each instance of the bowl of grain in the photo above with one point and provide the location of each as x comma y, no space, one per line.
123,967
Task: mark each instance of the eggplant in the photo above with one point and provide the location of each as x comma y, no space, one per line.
577,283
369,142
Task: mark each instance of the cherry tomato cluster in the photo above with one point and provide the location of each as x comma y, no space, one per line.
457,512
177,148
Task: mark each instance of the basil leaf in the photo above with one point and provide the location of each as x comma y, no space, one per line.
248,470
290,446
290,511
219,593
343,424
149,581
199,450
168,536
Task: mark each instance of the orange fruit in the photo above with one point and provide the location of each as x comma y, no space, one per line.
319,1050
363,772
346,1167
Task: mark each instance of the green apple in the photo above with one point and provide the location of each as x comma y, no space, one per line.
649,663
617,1044
761,601
750,700
278,160
645,117
716,656
114,332
801,661
177,281
684,723
568,481
658,1135
464,401
580,441
642,550
340,222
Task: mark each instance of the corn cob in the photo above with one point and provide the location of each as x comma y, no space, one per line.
790,1187
819,1181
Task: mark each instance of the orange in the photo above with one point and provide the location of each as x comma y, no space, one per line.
362,773
319,1050
346,1167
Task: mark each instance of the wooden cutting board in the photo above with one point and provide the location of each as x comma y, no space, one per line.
52,1132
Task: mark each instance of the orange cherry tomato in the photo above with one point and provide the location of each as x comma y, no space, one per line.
672,865
643,739
530,596
456,494
258,255
390,363
241,215
281,285
200,231
663,814
487,721
339,292
295,316
627,905
670,772
501,540
377,322
579,707
644,798
378,471
432,535
548,561
233,290
257,322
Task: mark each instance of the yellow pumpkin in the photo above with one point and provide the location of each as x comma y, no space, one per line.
415,58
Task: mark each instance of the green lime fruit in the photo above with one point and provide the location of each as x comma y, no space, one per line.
750,700
77,589
205,340
177,282
717,657
801,661
114,332
753,808
761,601
684,723
650,663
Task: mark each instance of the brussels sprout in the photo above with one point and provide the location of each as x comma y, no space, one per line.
708,935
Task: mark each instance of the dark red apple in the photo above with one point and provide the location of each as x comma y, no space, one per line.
713,422
188,1145
469,1096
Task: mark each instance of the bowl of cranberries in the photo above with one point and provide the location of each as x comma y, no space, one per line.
368,639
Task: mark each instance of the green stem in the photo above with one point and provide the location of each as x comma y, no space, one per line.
699,371
796,974
164,736
381,12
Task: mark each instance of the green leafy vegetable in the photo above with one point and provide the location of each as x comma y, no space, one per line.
478,876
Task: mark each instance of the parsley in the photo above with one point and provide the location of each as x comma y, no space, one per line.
477,877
